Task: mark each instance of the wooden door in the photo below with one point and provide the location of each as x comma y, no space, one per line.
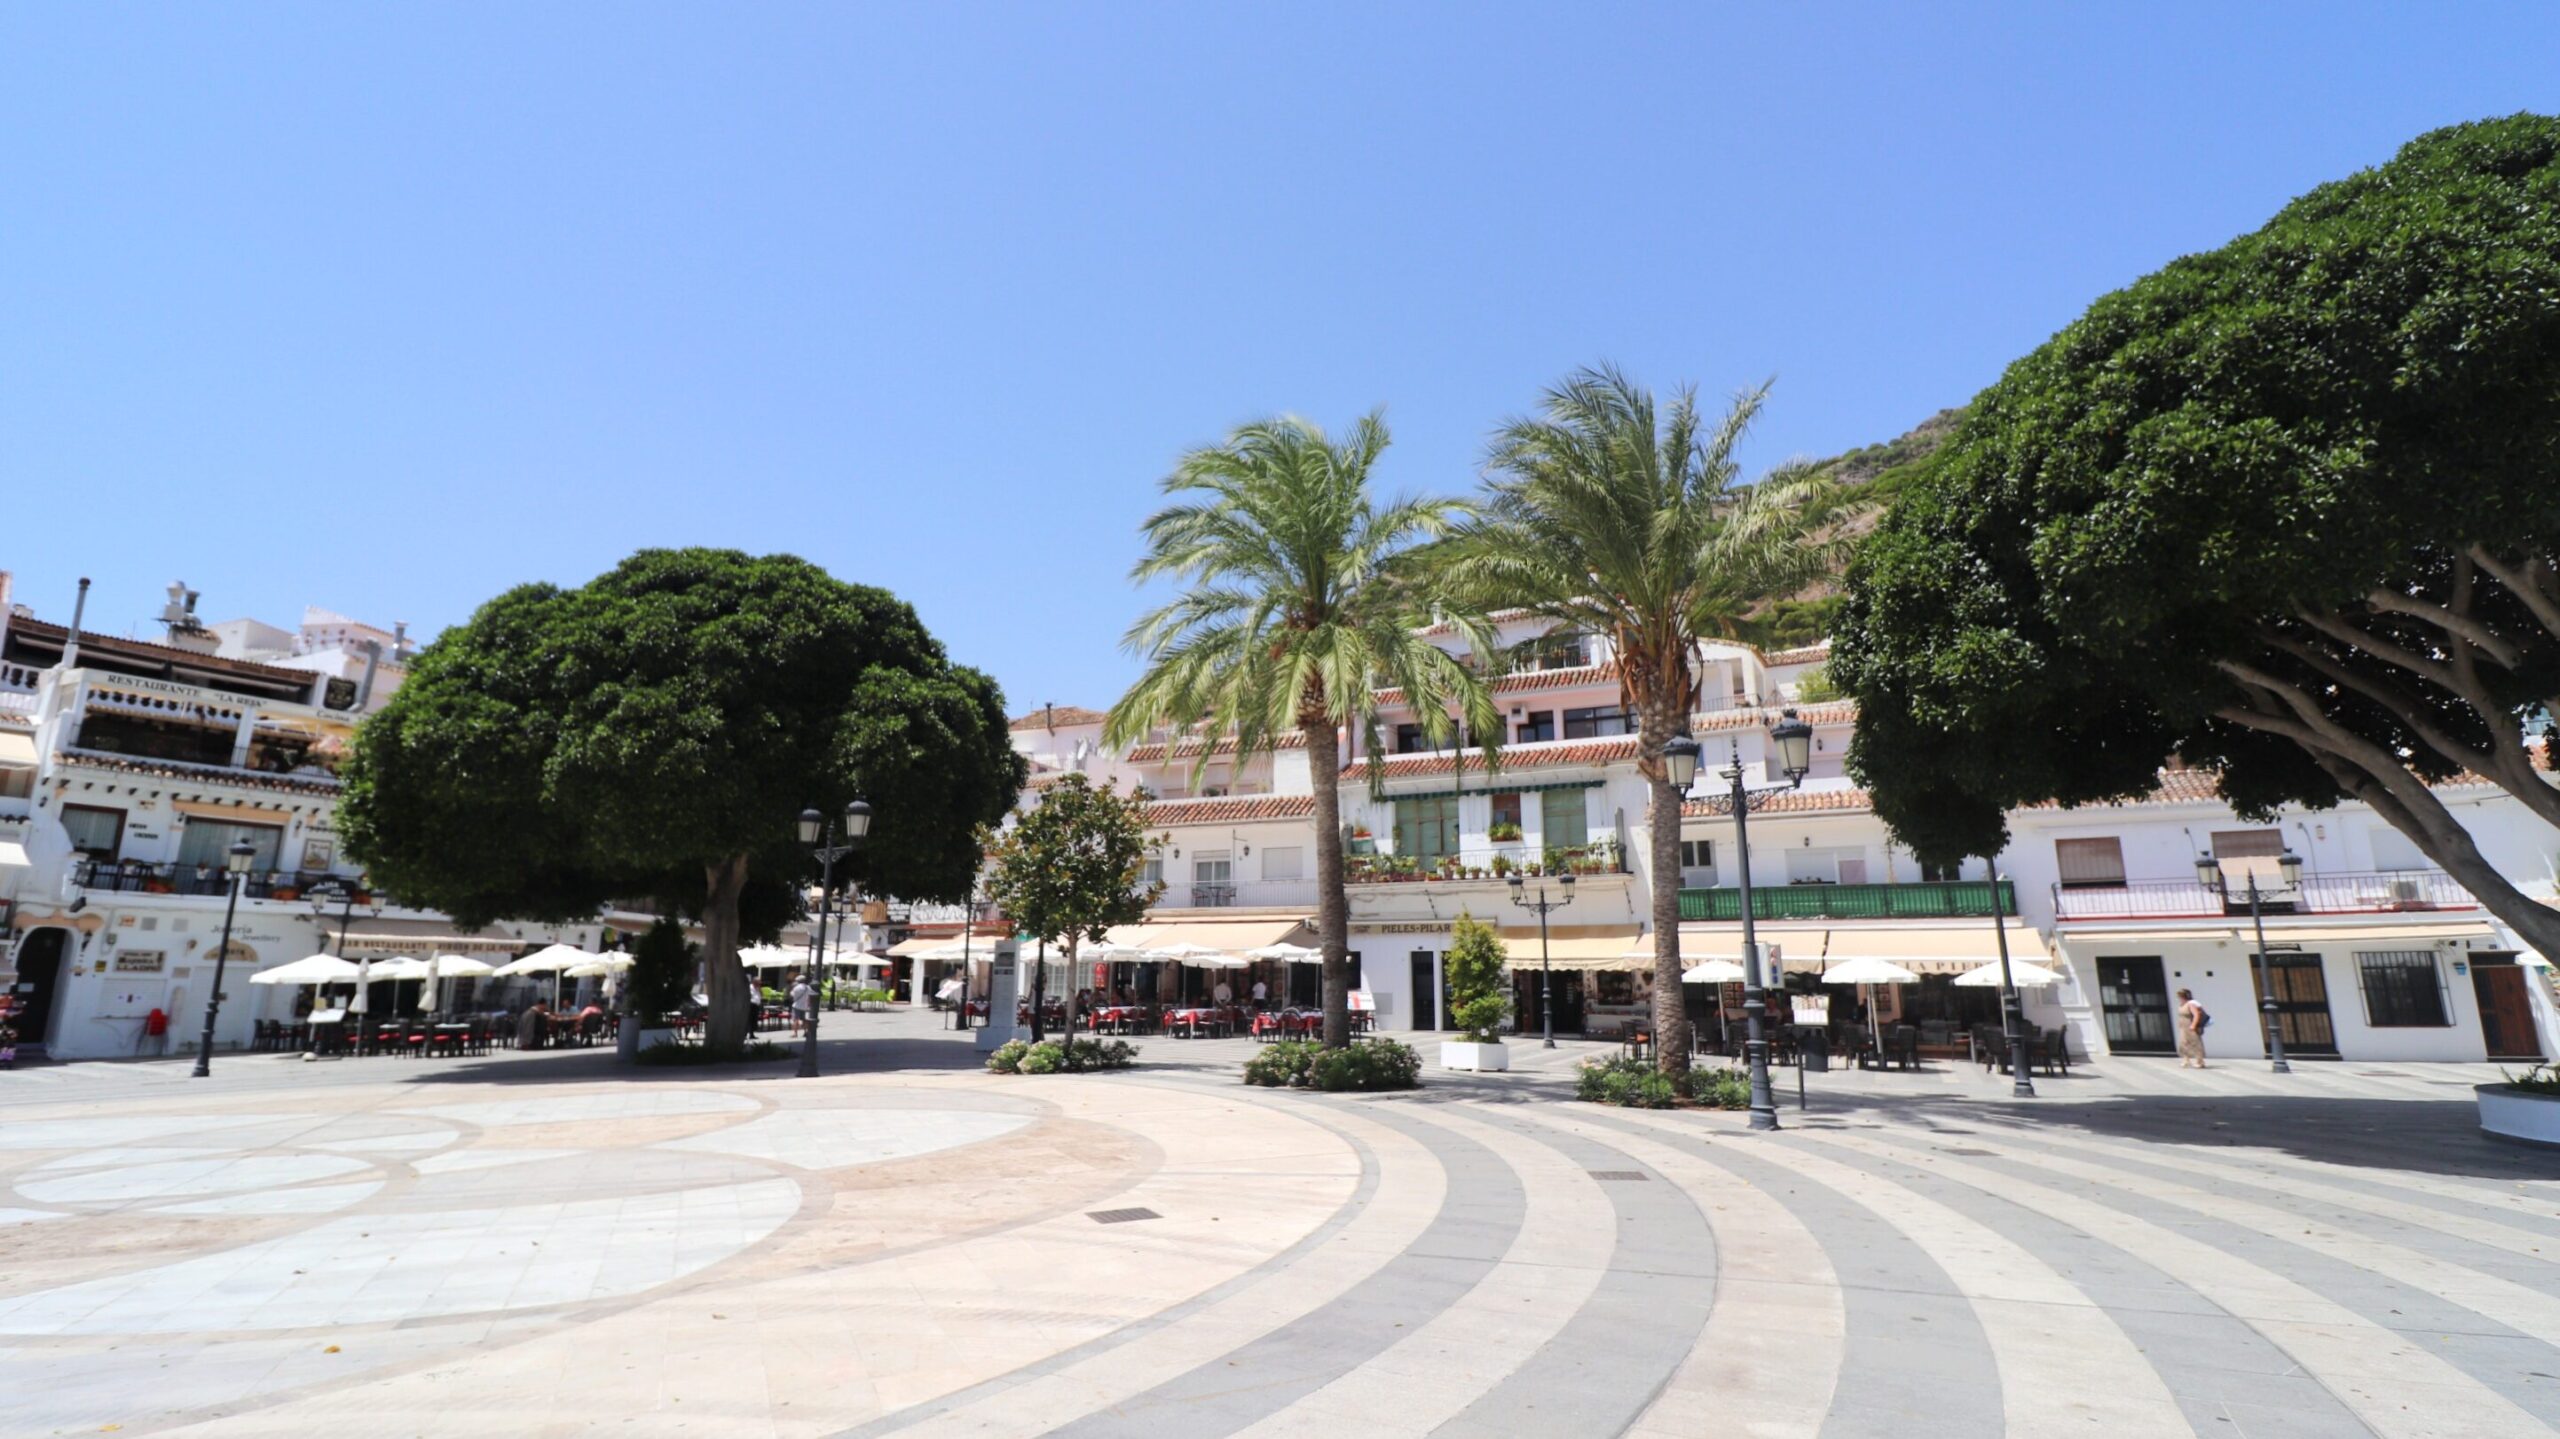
2506,1011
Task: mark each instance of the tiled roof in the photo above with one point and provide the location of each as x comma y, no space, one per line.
1804,656
1516,757
144,649
1499,617
1829,712
199,773
1061,716
1531,681
1788,801
1189,748
1231,809
2197,786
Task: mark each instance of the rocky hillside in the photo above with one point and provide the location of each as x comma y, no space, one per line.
1878,472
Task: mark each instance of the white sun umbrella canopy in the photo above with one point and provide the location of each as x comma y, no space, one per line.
600,967
1713,971
550,960
2027,974
311,969
769,956
442,967
1286,953
1182,951
1867,970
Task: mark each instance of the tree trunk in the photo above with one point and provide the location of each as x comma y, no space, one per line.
1333,910
1657,721
724,985
2442,838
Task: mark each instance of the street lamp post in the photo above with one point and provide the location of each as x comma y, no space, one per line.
1794,739
346,897
813,830
2209,869
1542,907
968,927
236,868
2013,1010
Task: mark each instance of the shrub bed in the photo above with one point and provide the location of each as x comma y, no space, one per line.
1051,1056
1307,1064
1636,1084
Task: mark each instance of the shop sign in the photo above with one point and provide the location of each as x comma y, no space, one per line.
141,961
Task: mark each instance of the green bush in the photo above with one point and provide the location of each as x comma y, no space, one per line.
1306,1064
2541,1079
1053,1057
667,1052
1720,1088
1476,998
1626,1083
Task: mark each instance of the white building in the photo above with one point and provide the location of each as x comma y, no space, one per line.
128,769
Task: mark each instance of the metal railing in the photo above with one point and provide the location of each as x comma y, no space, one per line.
1217,895
1953,899
2388,891
133,876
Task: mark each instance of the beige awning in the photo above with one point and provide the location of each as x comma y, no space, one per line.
17,749
1230,936
1580,947
1946,949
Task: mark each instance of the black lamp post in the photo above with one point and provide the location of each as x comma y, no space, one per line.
968,927
813,831
2013,1010
346,897
236,866
1542,907
2289,864
1794,741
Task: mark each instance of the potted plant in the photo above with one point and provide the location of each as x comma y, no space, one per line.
1502,866
2526,1108
1502,830
1476,1000
661,976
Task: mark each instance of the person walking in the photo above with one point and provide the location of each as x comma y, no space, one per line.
2192,1019
803,999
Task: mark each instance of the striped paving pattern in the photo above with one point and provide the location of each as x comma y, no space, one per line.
2218,1264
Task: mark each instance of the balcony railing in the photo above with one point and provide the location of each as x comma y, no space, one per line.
2354,892
1954,899
133,876
1213,896
1235,894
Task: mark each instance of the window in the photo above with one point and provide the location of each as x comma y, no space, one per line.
1535,727
1563,650
2403,989
1595,723
1212,879
2247,843
1826,866
1505,823
1286,861
1427,827
17,783
1941,873
2090,863
97,833
1697,862
1409,739
1563,818
1153,875
208,842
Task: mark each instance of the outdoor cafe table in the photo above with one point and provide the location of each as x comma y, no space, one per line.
1116,1017
1196,1018
1286,1022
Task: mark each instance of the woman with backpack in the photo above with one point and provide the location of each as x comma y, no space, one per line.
2192,1019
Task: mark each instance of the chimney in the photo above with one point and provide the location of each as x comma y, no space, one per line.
71,646
372,660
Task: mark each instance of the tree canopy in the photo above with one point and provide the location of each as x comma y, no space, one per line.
2287,511
656,732
1074,866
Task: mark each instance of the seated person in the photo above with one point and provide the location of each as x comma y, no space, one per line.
533,1027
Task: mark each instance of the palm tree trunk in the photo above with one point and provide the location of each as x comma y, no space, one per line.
1657,721
724,984
1333,911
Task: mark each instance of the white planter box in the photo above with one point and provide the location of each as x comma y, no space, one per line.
1480,1058
2512,1114
634,1039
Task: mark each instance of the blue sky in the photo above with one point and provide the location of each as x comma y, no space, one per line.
389,308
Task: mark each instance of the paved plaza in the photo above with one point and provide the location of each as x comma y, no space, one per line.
543,1244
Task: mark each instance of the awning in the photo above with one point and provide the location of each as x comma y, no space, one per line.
17,749
1579,947
922,944
438,943
2308,936
13,855
1231,936
1929,950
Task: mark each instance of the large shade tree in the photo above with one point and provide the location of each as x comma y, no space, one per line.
1610,513
2289,511
1303,593
656,732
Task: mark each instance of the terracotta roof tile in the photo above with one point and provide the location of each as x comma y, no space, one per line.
1190,748
144,649
1061,715
1786,801
1516,757
1829,712
1804,656
2197,786
206,773
1531,681
1231,809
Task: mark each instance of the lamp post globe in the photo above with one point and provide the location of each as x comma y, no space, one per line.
1794,739
812,826
2289,866
2209,871
1680,762
857,821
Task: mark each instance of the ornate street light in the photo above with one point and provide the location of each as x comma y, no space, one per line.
813,831
1793,739
2210,873
1542,907
235,869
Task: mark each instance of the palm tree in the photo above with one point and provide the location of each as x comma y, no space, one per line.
1622,519
1303,595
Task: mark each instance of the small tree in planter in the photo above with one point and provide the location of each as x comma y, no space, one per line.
2525,1108
661,977
1476,1000
1073,867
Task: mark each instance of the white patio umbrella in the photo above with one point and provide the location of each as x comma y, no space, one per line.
549,960
1713,971
603,966
1286,953
2028,975
769,956
442,967
1867,971
1183,951
401,966
310,969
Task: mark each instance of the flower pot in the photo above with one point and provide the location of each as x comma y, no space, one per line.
1476,1058
2507,1112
